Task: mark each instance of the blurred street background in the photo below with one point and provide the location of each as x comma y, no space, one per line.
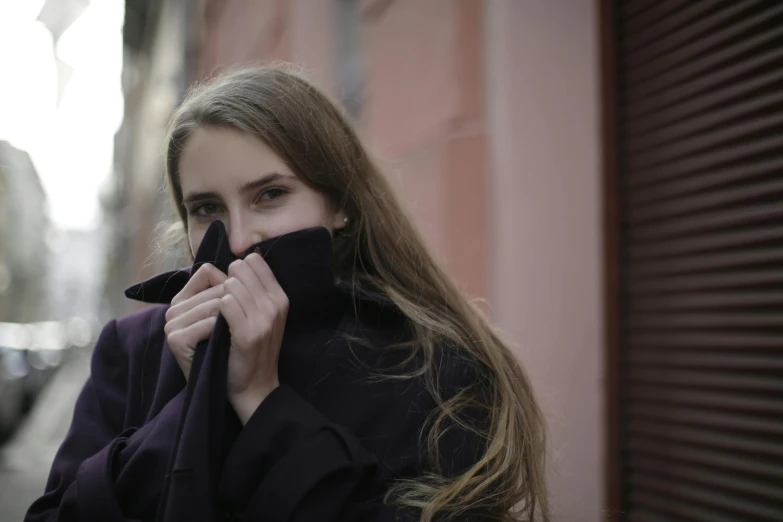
607,175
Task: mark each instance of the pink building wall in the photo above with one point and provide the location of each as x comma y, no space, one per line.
424,110
542,73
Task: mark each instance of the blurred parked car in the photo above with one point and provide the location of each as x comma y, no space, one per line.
29,356
13,371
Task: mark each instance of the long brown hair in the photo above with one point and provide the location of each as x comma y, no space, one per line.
382,248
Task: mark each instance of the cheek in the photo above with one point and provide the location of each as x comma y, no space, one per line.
195,235
306,213
290,221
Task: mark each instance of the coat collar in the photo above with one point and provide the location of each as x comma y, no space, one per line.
301,262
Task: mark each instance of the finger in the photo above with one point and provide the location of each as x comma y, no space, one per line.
205,277
232,311
202,311
241,295
267,279
242,271
174,311
193,334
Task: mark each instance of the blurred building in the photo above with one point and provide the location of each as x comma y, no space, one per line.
157,37
605,174
24,255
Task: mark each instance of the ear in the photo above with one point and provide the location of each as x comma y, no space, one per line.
339,221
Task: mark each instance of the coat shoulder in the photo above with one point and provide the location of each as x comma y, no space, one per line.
373,316
141,328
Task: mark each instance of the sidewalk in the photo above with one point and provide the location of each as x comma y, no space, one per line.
25,460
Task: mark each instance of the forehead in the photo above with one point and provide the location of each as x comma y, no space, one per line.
215,157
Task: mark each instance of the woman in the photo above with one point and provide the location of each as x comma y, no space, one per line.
313,364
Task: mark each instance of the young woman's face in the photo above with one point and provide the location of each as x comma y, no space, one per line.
234,177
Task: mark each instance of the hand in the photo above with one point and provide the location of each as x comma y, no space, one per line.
255,308
192,314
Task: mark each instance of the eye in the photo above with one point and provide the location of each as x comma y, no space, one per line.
271,194
205,209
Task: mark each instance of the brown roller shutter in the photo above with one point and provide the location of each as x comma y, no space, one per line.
696,153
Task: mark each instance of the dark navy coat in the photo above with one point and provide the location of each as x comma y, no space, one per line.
324,446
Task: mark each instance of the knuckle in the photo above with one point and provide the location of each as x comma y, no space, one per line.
266,331
208,271
241,338
234,266
174,311
173,338
264,324
202,271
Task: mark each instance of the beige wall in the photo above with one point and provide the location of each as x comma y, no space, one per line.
542,100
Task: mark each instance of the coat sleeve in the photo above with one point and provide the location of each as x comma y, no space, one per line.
96,474
291,464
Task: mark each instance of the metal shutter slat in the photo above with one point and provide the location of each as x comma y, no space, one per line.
761,65
707,457
641,13
640,37
706,243
712,479
707,263
647,516
708,222
740,280
707,142
712,340
693,418
706,301
715,178
686,107
675,509
726,380
738,50
744,361
705,320
712,399
744,444
691,45
668,132
729,503
727,156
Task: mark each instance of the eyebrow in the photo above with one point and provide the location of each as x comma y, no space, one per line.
243,189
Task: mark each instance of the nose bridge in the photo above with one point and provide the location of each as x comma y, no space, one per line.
240,233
